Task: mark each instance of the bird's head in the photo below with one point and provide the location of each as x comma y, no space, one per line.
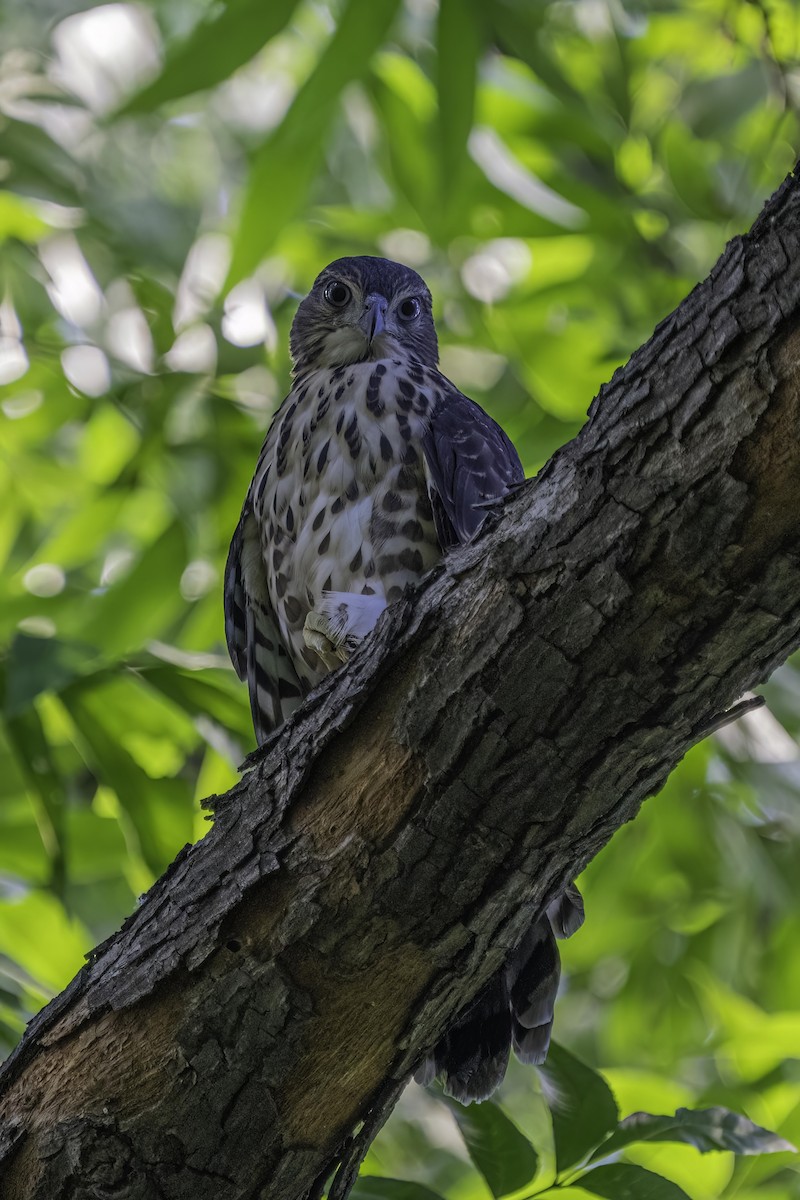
363,309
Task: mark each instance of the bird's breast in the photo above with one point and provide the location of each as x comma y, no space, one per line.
340,493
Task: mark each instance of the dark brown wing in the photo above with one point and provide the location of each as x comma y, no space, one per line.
471,463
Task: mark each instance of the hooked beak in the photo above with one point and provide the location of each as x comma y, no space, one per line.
373,319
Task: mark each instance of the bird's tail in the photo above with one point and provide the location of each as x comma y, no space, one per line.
514,1009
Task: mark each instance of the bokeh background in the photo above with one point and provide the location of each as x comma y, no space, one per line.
173,175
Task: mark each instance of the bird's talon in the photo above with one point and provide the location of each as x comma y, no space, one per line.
319,637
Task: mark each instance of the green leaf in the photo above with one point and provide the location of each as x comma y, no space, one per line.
96,847
156,302
38,665
692,172
211,693
712,106
37,164
47,792
37,934
19,219
583,1106
405,104
704,1128
370,1187
517,32
143,603
213,51
503,1155
283,168
158,810
623,1181
460,40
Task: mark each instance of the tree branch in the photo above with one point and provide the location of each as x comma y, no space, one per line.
389,845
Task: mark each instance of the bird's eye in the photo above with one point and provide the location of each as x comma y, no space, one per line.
408,309
337,294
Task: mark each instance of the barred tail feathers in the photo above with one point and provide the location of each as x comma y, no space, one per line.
566,912
514,1010
533,974
473,1054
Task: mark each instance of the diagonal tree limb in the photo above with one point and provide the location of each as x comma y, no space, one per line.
389,845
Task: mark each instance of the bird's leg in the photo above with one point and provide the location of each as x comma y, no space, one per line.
342,620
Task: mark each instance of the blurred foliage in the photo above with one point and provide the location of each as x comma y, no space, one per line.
172,176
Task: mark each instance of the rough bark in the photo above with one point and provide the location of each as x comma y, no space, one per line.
388,846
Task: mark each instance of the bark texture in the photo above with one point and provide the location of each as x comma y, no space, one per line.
389,845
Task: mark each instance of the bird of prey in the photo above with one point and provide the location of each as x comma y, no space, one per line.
374,466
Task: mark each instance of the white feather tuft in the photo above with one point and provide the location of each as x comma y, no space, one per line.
351,615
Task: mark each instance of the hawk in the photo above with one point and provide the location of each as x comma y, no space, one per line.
374,466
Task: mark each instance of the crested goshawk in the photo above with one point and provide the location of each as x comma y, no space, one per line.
373,467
